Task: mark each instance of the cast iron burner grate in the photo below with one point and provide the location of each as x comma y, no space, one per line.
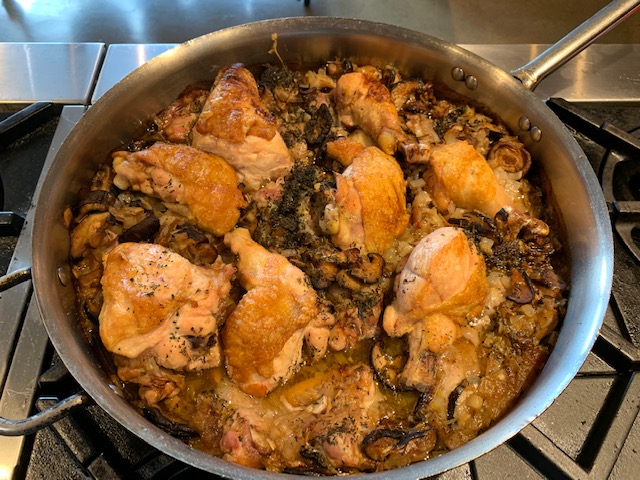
619,175
24,135
592,430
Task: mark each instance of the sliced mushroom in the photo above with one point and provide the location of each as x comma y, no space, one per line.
178,430
95,201
395,447
453,400
476,223
521,287
551,279
141,231
348,267
323,275
509,154
92,232
512,224
348,281
388,358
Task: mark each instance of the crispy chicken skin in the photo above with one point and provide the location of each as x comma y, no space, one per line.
157,301
236,125
363,101
178,174
264,335
461,177
370,203
444,274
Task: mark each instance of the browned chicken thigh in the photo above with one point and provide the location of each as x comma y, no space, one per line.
236,125
363,101
461,177
201,186
370,204
264,335
157,302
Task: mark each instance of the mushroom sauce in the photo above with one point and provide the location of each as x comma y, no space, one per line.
327,271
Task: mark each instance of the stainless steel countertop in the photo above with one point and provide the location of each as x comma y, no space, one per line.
169,21
80,73
57,72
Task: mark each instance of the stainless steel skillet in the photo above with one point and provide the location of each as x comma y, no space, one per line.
119,115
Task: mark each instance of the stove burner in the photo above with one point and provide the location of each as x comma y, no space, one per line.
621,185
619,172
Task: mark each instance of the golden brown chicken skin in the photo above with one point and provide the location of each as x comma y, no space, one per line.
159,304
444,274
264,334
461,177
370,202
363,101
236,125
203,183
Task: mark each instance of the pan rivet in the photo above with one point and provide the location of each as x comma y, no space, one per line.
471,82
524,123
536,134
63,276
458,74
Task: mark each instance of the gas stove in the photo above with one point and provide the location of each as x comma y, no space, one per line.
592,430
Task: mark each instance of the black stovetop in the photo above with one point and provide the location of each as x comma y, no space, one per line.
592,430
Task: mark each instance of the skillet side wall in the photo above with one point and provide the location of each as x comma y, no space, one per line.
119,115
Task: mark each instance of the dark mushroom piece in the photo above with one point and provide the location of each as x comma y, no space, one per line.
95,201
141,231
521,287
551,279
476,223
178,430
396,447
453,400
305,471
388,358
319,126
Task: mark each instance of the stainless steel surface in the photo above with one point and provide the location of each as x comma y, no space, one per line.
122,59
602,72
117,115
176,21
574,42
63,73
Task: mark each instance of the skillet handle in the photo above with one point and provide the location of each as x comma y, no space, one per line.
14,278
574,42
26,426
